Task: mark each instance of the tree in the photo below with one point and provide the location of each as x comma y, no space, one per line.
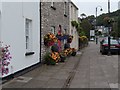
83,15
118,25
87,26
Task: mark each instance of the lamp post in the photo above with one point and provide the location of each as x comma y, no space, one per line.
96,22
109,30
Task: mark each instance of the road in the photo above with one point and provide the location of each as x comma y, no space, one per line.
96,70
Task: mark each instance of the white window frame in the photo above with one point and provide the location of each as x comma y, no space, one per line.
52,3
65,5
52,28
28,34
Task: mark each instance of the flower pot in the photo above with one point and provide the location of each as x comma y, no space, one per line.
62,59
50,62
73,54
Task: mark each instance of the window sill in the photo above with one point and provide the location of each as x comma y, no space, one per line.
65,15
53,7
29,53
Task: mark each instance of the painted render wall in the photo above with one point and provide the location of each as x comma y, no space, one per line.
73,12
13,33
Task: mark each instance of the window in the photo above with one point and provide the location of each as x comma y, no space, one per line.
53,29
65,31
65,11
28,34
52,5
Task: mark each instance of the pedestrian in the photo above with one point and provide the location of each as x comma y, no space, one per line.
96,40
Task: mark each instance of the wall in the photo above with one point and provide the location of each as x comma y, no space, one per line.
13,33
73,17
0,18
51,17
119,5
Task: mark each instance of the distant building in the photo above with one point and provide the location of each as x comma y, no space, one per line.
119,5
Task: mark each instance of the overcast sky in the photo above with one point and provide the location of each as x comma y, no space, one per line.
89,6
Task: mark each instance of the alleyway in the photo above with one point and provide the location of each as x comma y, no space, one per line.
89,70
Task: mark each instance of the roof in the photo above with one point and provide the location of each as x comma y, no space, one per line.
73,4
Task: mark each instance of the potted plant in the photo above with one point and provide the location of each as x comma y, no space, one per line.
70,38
73,52
62,56
5,58
49,39
52,58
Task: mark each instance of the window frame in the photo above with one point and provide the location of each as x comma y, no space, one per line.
28,37
52,29
65,9
53,5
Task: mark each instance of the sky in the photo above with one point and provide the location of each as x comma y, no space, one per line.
89,6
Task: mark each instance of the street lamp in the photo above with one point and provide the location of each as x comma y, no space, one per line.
96,22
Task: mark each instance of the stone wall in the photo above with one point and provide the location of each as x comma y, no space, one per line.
53,17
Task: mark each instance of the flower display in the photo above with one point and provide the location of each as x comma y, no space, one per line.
83,38
63,56
55,56
70,38
68,51
73,52
49,39
5,58
52,58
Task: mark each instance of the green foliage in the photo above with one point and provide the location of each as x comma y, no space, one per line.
113,16
118,26
48,60
87,26
82,33
100,19
74,24
83,15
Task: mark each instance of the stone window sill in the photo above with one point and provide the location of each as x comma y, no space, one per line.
53,7
29,53
65,15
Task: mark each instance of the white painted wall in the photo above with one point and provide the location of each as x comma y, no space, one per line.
0,18
73,17
0,5
13,32
119,5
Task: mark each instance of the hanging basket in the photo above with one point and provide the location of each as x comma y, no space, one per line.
49,39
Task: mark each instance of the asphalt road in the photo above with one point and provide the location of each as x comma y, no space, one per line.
96,70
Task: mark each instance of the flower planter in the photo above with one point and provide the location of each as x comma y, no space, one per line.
62,59
73,54
50,62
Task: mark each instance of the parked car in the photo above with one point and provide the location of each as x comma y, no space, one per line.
114,46
91,39
119,40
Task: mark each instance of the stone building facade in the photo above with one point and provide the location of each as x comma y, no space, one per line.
53,14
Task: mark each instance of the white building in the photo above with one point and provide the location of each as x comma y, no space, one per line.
119,5
73,12
20,28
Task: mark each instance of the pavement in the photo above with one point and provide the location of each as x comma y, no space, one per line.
88,69
46,76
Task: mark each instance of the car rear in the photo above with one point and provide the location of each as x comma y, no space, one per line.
114,46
